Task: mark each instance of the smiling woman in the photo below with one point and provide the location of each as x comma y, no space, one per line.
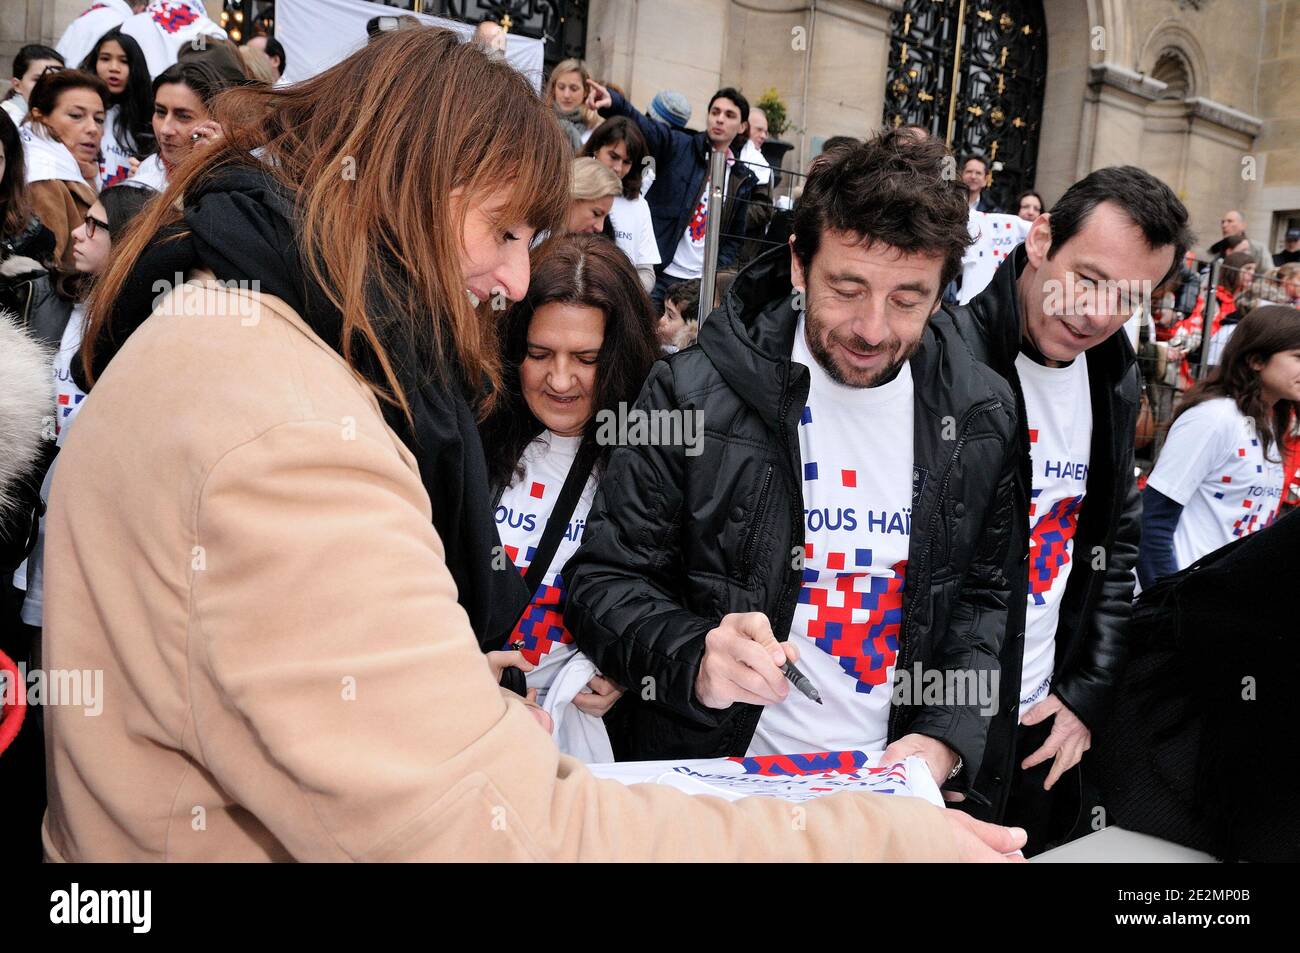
61,140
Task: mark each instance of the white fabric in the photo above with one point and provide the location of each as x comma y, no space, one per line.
795,777
164,27
84,32
753,156
688,259
575,732
521,519
855,445
152,174
16,107
319,33
68,396
1059,411
1133,327
1213,464
634,231
68,400
47,158
1219,341
115,162
995,235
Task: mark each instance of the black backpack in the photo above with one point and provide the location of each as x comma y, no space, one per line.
1200,748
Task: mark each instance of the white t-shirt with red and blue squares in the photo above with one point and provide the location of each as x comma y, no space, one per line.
1214,466
1058,406
994,236
855,445
688,258
521,517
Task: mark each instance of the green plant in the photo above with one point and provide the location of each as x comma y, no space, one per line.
773,106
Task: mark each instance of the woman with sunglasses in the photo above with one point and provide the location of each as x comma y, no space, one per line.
128,136
619,146
61,142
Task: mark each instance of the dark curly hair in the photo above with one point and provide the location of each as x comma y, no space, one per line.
890,189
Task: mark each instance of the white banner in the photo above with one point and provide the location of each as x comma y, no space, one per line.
319,33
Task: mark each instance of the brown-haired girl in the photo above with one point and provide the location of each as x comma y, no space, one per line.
1219,476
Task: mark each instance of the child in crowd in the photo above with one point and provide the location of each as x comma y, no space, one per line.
679,324
1219,476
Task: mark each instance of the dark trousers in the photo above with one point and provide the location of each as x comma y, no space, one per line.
1048,817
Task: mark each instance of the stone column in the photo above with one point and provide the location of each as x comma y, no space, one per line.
644,47
848,66
1274,196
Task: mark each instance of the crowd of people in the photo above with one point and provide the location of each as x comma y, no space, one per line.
332,501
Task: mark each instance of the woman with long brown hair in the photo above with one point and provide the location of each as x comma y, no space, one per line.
619,146
576,348
1219,475
245,535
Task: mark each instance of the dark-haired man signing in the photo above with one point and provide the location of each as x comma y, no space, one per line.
851,507
1047,324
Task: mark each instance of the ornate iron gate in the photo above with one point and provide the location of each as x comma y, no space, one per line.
973,73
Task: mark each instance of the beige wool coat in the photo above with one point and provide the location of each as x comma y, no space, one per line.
244,549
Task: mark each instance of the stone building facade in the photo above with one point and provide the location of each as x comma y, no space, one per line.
1204,93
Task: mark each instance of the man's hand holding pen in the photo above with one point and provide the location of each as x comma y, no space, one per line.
743,662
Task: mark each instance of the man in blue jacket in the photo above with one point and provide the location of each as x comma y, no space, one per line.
679,199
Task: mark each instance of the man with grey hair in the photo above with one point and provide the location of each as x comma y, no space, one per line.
490,37
752,153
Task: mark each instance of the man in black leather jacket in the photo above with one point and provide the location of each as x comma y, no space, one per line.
1065,294
697,578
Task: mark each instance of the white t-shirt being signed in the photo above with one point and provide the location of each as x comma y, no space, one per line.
855,445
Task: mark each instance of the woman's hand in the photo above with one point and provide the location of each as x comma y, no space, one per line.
206,133
500,661
600,699
134,163
543,718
